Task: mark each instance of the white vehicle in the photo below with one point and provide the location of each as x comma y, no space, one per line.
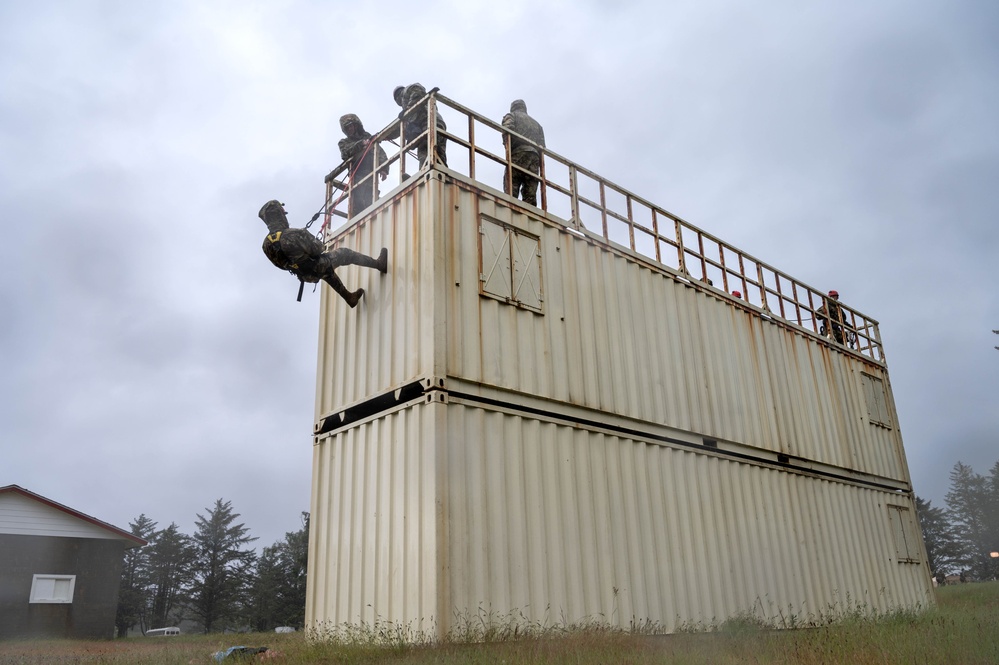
163,632
284,629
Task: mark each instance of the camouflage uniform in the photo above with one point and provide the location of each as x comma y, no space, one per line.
300,253
831,309
523,153
414,122
354,148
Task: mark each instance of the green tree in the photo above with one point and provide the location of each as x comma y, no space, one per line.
266,592
938,538
992,522
223,569
134,578
171,558
278,594
972,506
295,558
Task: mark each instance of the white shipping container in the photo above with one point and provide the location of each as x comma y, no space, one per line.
526,420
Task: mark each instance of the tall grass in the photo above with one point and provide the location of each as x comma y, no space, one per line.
963,628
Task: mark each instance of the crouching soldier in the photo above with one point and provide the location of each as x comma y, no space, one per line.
300,253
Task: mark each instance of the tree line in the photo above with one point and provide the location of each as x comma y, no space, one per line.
962,537
212,577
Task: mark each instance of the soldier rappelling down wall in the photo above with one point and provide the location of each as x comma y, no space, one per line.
300,253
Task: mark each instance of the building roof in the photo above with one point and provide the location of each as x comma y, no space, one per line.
113,531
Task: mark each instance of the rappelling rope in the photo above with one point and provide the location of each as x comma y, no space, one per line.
350,178
327,207
321,235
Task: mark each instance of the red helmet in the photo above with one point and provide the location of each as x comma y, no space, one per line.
736,294
834,293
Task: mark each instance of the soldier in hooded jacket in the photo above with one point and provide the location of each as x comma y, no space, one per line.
300,253
357,148
525,154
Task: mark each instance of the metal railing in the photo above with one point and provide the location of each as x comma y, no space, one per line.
594,206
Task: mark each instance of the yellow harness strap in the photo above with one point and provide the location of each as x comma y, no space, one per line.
273,238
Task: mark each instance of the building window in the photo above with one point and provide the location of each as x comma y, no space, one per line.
52,588
510,265
905,534
877,401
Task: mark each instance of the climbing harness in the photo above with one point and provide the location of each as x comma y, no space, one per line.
327,208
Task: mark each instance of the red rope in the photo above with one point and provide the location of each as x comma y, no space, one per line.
350,183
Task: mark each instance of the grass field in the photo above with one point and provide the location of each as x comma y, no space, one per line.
962,629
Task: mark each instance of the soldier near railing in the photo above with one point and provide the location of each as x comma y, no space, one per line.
358,150
832,317
414,121
300,253
525,154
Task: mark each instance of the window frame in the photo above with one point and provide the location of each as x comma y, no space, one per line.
38,587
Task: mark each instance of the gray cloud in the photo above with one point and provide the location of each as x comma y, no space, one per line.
151,351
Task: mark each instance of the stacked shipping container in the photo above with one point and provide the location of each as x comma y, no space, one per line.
526,421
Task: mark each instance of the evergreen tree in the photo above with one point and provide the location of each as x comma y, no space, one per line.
938,538
278,596
295,562
972,506
134,578
170,561
992,522
266,592
223,570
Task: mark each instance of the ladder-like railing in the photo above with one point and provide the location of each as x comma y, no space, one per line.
590,204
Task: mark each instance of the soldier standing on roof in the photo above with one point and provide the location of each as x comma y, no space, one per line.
525,154
357,148
832,317
300,253
414,121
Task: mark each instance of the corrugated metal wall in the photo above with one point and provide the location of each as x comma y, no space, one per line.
555,521
513,498
424,522
373,545
621,337
388,339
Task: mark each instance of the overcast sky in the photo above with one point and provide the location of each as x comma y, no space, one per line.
154,361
